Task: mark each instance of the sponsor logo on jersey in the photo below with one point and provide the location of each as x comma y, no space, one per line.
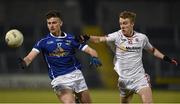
124,48
133,49
59,52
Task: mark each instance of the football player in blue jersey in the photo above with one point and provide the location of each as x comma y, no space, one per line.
58,49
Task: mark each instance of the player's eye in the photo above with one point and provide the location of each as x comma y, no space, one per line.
49,23
54,22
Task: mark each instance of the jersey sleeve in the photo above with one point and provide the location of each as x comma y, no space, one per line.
146,43
38,46
111,37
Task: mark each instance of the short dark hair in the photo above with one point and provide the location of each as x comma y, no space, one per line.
128,14
53,13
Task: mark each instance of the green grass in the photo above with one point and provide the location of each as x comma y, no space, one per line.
98,96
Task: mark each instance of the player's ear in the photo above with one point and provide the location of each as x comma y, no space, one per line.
61,23
132,23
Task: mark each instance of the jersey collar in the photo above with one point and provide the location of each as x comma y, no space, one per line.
133,34
59,36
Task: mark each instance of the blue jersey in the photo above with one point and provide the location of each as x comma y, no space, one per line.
59,53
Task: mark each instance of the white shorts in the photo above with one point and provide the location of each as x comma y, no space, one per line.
73,81
130,86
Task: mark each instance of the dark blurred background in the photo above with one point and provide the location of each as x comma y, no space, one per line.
159,20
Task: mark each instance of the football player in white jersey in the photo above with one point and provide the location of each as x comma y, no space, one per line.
129,45
58,49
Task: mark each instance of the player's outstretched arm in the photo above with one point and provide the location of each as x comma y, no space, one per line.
85,38
158,54
97,39
24,62
94,60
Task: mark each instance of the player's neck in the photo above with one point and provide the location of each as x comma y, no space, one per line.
130,34
59,33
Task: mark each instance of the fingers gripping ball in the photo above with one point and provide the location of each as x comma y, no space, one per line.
94,61
14,38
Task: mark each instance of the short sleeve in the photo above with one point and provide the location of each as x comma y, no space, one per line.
112,36
38,46
146,43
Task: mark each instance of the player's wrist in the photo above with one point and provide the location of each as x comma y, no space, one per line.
167,59
170,60
86,37
22,63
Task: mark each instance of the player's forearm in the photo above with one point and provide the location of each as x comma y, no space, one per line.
91,52
158,54
97,39
30,57
27,60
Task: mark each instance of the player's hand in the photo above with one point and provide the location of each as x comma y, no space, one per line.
82,38
94,61
85,37
173,61
170,60
22,63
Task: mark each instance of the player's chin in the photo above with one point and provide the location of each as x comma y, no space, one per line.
52,31
124,31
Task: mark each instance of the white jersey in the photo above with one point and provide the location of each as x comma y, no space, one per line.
128,53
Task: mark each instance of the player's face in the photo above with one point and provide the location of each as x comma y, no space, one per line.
54,25
126,26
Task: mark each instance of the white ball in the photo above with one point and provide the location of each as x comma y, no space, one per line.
14,38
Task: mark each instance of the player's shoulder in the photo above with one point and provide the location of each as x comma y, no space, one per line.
139,34
69,36
44,38
115,33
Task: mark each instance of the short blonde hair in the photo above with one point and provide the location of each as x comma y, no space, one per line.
128,14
